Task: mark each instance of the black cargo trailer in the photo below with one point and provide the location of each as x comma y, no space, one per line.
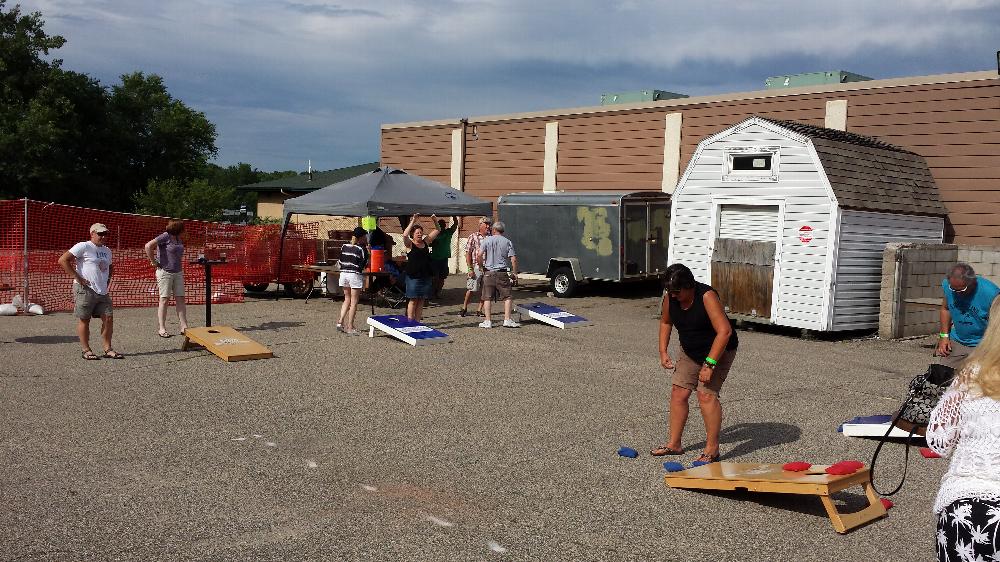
575,237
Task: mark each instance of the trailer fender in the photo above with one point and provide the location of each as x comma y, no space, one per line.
572,263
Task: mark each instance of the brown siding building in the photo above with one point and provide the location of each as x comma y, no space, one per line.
952,120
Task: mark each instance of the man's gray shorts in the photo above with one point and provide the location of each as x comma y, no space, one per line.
959,353
87,303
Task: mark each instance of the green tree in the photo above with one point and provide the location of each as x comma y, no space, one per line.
195,199
64,137
51,120
159,137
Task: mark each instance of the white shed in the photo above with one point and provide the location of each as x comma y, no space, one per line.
789,221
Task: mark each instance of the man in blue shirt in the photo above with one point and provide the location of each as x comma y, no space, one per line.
964,313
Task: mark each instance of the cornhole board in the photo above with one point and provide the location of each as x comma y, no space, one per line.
771,478
873,426
552,315
406,330
225,342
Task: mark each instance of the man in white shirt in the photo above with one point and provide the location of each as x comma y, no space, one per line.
91,272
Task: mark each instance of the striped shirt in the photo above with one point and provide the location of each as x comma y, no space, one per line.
352,258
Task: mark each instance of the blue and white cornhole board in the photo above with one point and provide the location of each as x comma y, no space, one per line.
871,426
404,329
552,315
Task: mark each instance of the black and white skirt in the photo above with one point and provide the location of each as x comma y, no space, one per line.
968,530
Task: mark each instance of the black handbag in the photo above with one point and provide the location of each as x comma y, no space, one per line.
923,394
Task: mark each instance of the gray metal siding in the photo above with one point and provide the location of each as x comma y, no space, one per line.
540,232
863,236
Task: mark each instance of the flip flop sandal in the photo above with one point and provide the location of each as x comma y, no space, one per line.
164,334
665,450
705,459
112,354
90,356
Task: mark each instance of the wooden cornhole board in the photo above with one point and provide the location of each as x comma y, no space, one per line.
771,478
552,315
226,343
406,330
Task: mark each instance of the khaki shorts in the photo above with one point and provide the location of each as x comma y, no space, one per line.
686,373
496,282
170,284
959,353
476,282
88,304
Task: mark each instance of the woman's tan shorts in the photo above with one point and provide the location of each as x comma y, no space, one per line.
686,373
170,284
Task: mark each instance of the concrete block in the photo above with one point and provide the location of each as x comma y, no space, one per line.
946,255
991,257
970,256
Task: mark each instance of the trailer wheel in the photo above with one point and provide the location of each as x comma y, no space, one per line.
255,287
299,289
563,282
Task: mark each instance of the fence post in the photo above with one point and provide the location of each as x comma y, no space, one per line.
24,253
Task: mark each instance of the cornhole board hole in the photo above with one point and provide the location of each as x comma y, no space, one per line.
406,330
874,426
225,342
552,315
770,478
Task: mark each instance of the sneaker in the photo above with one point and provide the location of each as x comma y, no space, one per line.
510,324
340,327
486,324
463,313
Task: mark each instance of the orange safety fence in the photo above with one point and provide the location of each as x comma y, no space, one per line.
33,234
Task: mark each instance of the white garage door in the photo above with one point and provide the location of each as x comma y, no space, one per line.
749,222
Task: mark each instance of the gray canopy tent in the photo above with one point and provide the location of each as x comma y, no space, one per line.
383,192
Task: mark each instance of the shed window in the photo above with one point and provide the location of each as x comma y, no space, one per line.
758,163
752,162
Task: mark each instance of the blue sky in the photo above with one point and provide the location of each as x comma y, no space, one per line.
286,81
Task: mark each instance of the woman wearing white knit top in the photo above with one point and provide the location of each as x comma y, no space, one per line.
965,425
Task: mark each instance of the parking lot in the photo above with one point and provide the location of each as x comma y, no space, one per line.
499,445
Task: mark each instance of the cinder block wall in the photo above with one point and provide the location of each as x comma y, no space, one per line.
985,260
911,283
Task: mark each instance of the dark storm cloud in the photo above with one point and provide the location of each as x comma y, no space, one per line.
290,81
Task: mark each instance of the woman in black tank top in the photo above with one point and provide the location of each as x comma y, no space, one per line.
708,346
418,266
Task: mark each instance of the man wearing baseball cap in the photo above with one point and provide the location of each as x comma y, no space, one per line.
91,273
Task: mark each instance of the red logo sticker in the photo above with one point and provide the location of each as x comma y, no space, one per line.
806,234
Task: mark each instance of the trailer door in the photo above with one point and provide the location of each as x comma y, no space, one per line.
636,247
659,233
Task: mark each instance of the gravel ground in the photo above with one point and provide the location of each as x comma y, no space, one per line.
499,445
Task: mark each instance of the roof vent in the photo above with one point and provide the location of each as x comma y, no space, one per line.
813,79
639,97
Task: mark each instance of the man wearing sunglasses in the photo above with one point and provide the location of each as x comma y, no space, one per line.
964,313
91,273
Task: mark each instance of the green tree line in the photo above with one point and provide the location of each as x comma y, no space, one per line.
65,137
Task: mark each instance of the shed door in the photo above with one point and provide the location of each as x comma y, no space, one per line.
743,258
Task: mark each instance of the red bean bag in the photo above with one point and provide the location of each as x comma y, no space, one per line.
797,466
928,453
886,503
845,467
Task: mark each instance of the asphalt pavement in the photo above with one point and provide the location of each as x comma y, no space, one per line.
499,445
